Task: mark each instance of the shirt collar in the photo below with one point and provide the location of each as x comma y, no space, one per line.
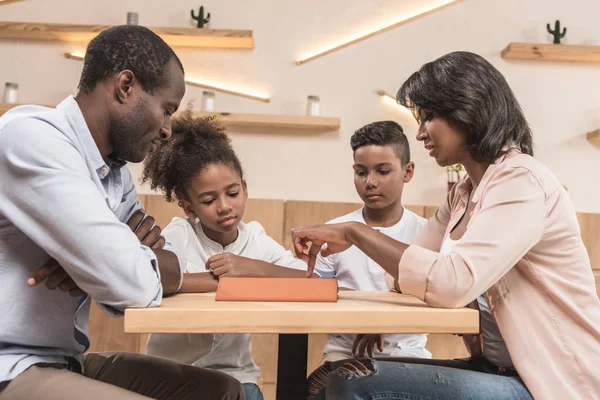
205,240
465,186
77,122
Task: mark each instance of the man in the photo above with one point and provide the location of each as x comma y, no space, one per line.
64,201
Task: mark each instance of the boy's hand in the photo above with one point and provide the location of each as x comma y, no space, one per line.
367,342
230,265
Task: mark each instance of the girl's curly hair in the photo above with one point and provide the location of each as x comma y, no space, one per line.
195,144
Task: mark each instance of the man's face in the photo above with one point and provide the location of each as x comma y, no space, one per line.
138,131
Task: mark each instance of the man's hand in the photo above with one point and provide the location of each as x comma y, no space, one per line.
367,342
230,265
147,233
55,277
334,235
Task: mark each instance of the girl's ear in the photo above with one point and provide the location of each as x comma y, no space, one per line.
188,209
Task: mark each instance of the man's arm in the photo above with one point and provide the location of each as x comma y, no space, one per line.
53,201
149,235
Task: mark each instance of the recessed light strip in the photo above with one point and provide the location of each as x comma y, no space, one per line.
377,32
193,82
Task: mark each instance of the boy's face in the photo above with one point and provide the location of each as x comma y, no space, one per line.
379,176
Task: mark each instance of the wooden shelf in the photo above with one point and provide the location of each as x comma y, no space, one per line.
234,120
552,52
302,122
594,137
176,37
3,2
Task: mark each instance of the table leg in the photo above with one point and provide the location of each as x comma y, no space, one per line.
291,367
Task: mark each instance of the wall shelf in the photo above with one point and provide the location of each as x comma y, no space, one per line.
3,2
552,52
176,37
594,137
231,120
235,120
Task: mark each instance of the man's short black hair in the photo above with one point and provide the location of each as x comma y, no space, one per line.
126,47
383,133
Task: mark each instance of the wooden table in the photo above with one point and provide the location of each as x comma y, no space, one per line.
355,312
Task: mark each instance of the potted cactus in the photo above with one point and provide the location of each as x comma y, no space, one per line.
200,18
556,32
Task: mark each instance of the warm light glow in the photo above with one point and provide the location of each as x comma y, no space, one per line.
75,56
392,101
232,91
8,1
408,17
205,85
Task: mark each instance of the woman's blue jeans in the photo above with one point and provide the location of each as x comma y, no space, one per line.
421,379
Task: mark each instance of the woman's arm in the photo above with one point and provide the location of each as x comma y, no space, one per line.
381,248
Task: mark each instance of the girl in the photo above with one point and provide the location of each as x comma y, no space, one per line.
198,168
507,231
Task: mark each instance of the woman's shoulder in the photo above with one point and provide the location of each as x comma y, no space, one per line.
532,170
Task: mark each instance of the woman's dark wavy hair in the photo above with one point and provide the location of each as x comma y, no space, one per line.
195,144
467,90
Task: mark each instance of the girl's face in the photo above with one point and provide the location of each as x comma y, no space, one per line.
444,141
217,197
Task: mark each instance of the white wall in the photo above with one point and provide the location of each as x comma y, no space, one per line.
561,100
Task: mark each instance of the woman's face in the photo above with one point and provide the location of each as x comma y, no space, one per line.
444,141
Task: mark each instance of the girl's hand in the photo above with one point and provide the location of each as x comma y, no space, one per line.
334,235
230,265
368,343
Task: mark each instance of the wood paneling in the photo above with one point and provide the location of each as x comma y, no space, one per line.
446,346
316,345
430,211
590,233
107,334
264,353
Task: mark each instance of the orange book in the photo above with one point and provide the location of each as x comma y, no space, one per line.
277,289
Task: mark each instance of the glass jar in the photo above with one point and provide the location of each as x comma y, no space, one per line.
132,18
11,93
208,101
313,106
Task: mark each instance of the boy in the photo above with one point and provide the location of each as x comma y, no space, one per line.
381,168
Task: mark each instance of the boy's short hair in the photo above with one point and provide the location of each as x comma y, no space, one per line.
383,133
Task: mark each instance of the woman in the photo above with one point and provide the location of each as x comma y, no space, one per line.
506,239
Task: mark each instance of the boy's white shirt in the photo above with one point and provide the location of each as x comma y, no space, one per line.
354,270
228,353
